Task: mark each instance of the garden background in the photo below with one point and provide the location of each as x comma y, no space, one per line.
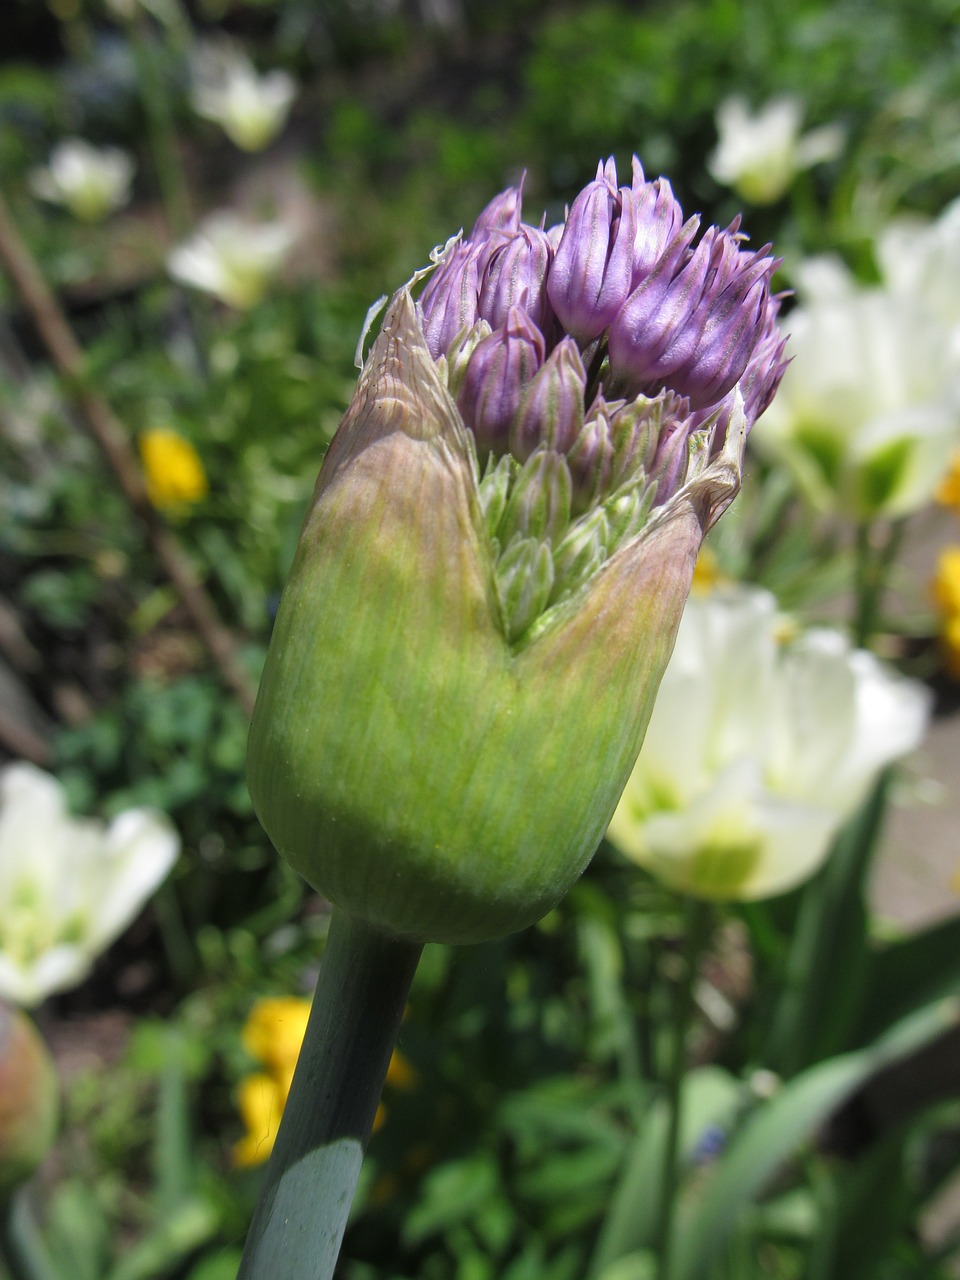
153,481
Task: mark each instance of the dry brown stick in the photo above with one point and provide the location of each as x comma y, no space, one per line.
68,358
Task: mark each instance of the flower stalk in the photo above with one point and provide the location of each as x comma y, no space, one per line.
697,919
485,595
365,977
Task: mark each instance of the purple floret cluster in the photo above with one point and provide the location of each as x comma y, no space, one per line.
578,337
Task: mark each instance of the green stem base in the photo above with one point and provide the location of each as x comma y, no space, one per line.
302,1214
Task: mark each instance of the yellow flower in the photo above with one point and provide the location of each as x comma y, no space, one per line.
707,575
274,1031
273,1034
946,584
946,594
950,644
261,1100
948,492
174,472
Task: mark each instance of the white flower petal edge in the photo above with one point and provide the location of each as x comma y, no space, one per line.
140,847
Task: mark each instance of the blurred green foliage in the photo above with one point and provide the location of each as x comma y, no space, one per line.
539,1059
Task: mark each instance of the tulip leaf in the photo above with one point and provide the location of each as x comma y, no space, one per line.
818,1009
710,1097
869,1209
909,973
774,1131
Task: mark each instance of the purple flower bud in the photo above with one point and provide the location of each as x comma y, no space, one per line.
501,214
551,410
593,268
644,335
498,372
514,276
733,314
766,366
448,304
669,463
760,379
659,219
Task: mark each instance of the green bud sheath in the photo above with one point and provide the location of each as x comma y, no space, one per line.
415,767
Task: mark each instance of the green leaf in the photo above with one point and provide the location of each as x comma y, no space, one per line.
634,1266
77,1231
816,1015
222,1265
872,1205
192,1224
908,974
453,1193
775,1130
710,1097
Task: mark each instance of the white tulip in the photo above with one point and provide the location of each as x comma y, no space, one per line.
759,747
250,108
759,154
89,181
867,414
921,261
232,259
68,886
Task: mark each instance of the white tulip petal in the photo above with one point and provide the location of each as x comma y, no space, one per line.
785,738
68,886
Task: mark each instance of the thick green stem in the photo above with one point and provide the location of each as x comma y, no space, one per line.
299,1222
696,921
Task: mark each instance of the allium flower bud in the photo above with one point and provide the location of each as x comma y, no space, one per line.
501,214
539,504
491,574
659,219
498,373
551,410
694,322
760,379
734,321
593,268
514,276
591,463
653,318
448,304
